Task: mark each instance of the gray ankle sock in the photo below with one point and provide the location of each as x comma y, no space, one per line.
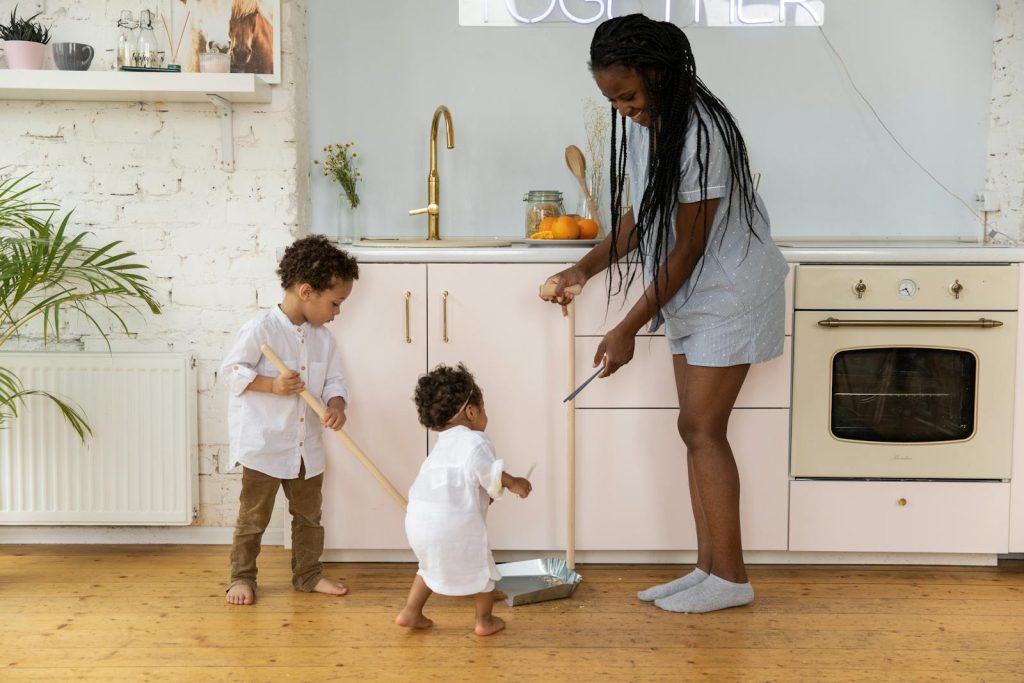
713,593
666,589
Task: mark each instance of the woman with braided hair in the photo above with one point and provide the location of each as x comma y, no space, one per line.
711,273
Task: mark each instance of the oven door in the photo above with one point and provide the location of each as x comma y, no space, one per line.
903,395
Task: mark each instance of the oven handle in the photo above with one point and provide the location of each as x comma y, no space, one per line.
980,322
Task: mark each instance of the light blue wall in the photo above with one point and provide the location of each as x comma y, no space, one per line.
379,68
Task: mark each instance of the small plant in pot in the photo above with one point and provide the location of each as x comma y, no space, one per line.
24,41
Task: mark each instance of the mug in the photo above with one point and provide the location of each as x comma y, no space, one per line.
72,56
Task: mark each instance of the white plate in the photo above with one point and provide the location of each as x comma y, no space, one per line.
558,243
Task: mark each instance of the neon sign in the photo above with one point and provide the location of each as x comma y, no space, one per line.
724,13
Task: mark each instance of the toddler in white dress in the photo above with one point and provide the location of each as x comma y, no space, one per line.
446,521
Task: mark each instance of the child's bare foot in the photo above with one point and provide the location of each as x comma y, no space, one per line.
488,625
241,594
325,585
412,619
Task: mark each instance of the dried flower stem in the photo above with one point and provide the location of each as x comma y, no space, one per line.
595,121
339,165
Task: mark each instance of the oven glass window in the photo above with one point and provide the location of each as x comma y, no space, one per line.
903,395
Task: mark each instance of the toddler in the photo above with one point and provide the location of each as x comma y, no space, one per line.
274,434
446,518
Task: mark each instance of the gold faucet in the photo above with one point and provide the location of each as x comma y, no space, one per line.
433,182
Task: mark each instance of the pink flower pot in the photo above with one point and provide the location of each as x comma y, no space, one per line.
24,54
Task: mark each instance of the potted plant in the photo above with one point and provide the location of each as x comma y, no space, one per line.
46,272
24,41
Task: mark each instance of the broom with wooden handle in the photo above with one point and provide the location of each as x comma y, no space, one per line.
316,405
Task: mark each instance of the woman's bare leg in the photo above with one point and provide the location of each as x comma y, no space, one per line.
706,399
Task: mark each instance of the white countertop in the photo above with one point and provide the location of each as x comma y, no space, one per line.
884,251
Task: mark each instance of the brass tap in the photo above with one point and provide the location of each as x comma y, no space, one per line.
433,182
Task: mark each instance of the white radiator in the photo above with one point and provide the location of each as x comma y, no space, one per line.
138,467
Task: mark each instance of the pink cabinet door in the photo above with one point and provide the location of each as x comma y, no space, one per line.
899,516
1017,478
632,489
649,382
381,363
595,315
489,317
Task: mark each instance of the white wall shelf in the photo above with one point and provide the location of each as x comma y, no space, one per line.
120,86
221,90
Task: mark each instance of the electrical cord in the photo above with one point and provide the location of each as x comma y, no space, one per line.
910,156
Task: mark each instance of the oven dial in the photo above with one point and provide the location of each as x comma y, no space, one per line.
907,288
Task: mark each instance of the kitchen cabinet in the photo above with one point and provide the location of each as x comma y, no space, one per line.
489,317
1016,543
405,318
648,380
899,516
381,334
595,315
631,461
632,491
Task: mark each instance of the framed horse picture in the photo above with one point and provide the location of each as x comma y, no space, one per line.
248,31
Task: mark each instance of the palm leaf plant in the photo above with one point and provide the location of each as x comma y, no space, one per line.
46,272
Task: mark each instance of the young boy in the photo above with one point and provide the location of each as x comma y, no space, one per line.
275,435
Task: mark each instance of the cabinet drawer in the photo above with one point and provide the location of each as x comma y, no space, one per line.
632,491
595,315
649,382
896,516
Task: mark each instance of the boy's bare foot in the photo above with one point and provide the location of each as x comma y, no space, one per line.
412,619
241,594
488,625
325,585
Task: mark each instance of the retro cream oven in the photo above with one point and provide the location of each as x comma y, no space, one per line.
904,372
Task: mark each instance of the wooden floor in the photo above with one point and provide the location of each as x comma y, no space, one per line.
157,613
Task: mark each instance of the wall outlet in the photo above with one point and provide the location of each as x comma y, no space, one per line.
987,201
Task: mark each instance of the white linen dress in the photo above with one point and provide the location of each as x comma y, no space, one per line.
446,520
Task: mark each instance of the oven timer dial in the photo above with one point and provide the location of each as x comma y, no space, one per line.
907,288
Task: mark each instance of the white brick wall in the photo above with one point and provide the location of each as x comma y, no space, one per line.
1006,135
148,175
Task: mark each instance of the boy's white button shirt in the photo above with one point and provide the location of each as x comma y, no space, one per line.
275,434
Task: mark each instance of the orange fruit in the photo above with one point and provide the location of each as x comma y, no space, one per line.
547,223
566,228
588,228
541,235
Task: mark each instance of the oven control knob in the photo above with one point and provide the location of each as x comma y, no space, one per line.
955,289
860,288
907,288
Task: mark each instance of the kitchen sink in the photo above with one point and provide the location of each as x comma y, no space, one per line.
433,244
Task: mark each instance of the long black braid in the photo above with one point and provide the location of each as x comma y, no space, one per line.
660,54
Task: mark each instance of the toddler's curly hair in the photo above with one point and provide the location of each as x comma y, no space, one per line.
441,393
317,261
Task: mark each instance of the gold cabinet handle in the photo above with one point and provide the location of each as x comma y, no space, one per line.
408,315
444,316
902,502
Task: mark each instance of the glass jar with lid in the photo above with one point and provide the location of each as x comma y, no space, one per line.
541,204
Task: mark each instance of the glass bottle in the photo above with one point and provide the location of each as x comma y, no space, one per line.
541,204
125,40
146,47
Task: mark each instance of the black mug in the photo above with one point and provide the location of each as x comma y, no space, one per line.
72,56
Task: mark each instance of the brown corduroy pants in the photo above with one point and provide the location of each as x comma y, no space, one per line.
255,505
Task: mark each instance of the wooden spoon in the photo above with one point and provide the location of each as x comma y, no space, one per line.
577,164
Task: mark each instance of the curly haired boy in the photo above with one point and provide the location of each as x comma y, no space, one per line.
275,436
